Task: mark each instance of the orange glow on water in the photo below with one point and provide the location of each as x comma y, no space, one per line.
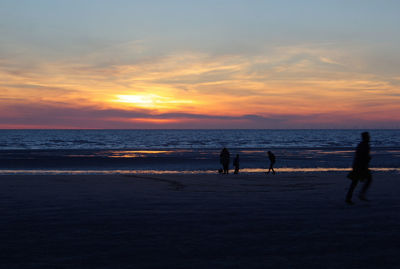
134,153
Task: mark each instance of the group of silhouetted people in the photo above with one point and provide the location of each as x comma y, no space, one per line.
360,170
224,158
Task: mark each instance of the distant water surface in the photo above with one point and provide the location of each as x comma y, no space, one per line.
190,139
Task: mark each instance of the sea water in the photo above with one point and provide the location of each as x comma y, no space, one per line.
166,151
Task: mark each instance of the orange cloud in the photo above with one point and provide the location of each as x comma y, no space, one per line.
292,81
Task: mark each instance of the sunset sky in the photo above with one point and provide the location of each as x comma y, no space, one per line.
199,64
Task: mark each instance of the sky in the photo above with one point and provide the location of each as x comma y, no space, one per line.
199,64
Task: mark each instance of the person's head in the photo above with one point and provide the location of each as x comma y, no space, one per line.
365,136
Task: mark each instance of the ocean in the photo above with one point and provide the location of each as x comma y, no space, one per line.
188,151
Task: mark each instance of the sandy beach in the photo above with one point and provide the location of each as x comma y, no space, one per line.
291,220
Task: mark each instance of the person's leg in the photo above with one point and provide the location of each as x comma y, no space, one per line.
269,169
351,190
365,187
226,168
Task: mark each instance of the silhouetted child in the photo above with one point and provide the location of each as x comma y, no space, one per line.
271,158
236,164
360,170
224,160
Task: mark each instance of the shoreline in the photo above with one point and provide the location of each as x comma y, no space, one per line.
146,161
245,171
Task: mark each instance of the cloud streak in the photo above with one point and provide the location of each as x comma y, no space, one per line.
52,116
303,86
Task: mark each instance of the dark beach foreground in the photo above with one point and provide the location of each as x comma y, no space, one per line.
291,220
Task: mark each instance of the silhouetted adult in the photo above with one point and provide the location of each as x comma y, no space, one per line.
360,170
224,160
236,164
271,158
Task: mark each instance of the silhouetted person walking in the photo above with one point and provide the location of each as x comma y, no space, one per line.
224,160
360,170
271,158
236,164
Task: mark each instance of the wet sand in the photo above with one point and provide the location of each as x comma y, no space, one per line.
291,220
